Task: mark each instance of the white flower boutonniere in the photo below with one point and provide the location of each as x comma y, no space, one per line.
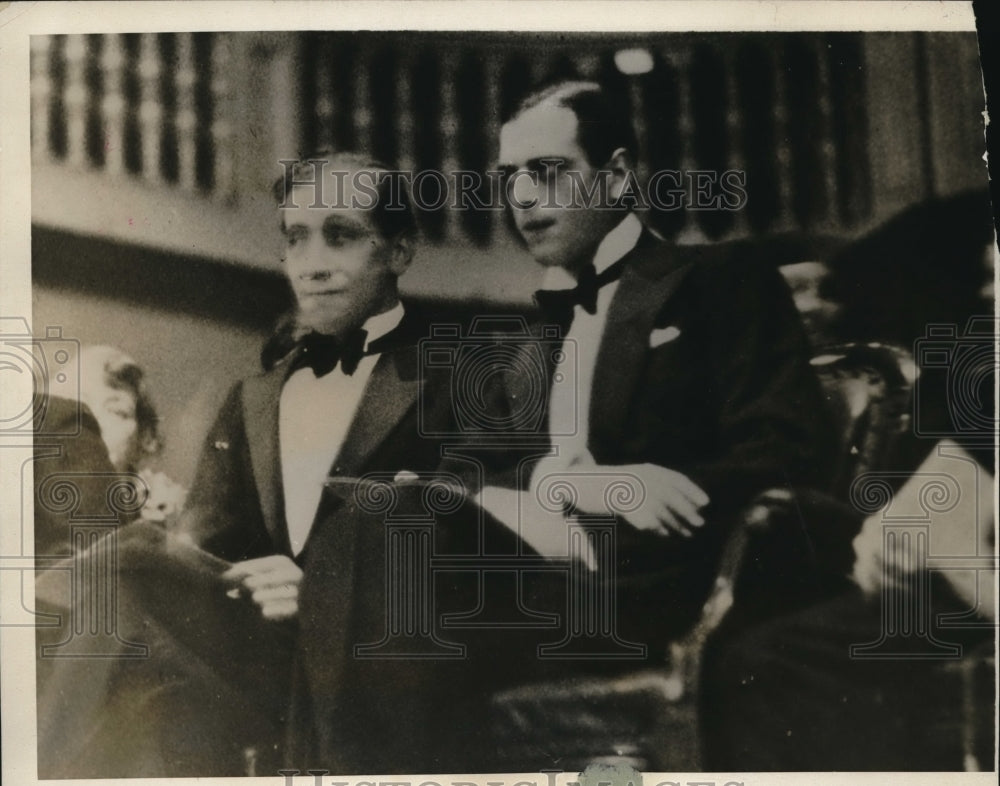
164,497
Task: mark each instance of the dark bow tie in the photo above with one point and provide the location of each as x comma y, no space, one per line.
321,352
558,304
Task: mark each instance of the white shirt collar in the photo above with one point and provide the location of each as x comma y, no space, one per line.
616,244
380,324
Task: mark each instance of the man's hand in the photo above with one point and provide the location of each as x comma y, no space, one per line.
874,567
649,497
272,582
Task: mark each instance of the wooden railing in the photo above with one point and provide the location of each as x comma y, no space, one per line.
193,125
155,106
789,111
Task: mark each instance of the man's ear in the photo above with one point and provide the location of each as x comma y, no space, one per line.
401,255
620,164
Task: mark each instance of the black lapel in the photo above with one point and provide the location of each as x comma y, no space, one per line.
261,397
392,391
651,275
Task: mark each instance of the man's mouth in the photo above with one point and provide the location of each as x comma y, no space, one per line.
326,292
534,228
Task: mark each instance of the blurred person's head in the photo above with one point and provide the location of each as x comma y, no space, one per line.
560,144
349,230
930,264
112,386
809,284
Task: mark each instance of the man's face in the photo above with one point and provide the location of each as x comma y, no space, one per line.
341,270
558,228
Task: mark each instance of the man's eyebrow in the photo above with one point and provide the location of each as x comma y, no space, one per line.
337,221
538,164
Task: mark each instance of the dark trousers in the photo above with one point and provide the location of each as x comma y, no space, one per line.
786,693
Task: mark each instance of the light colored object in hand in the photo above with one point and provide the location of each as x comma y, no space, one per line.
544,530
961,528
663,336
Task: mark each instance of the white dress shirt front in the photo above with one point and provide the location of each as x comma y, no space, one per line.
569,404
313,420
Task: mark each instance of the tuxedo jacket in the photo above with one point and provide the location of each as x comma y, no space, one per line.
348,713
235,508
703,368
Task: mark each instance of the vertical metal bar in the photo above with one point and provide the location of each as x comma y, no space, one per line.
76,100
404,101
41,89
222,113
681,59
492,67
449,136
150,110
783,153
362,98
113,105
924,115
827,148
734,131
323,108
186,116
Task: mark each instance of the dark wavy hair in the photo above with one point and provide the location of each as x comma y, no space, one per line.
604,122
121,372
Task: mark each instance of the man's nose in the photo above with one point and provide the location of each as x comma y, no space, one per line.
524,192
313,260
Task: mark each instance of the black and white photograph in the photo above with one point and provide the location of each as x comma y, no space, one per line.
599,391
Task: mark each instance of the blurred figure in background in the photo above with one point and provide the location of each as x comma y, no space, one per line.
113,387
795,697
929,266
810,283
932,263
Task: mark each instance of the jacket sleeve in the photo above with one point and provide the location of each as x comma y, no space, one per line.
221,507
772,423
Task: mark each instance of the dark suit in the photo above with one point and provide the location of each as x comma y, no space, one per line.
349,714
729,400
235,508
223,690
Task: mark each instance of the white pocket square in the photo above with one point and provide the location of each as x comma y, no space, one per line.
662,336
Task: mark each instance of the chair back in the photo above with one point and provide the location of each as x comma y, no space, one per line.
869,389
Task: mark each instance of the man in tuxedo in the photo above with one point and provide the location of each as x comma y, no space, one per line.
691,367
252,613
341,386
341,403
